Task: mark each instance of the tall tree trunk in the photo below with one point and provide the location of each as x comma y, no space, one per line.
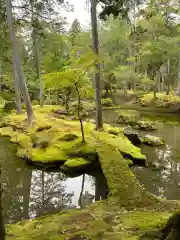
168,80
99,123
17,62
36,51
17,90
2,227
177,93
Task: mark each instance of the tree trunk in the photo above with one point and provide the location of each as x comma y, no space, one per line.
36,51
168,80
158,83
177,93
2,227
17,90
17,63
99,123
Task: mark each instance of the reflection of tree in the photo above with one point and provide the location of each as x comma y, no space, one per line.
48,193
29,193
81,193
164,181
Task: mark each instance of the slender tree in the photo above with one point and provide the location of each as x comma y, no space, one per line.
99,123
17,62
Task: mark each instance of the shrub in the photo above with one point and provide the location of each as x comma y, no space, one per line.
107,102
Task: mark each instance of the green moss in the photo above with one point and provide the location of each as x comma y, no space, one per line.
21,139
76,165
114,131
66,225
143,220
48,155
107,102
125,190
145,125
6,131
69,137
127,116
162,100
152,140
123,144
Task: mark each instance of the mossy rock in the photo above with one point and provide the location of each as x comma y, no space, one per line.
128,117
132,136
152,140
48,157
43,127
68,137
9,106
76,165
126,148
83,150
145,126
107,102
60,112
3,124
114,131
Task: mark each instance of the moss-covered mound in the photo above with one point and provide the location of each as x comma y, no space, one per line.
88,224
53,141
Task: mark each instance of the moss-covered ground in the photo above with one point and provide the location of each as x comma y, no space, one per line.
162,100
129,209
53,140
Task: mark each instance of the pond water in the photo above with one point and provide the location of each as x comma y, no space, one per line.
164,182
29,192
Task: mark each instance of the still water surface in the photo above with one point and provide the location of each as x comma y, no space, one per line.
28,192
165,181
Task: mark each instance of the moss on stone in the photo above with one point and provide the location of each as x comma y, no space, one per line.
162,100
75,224
122,143
76,164
113,130
152,140
127,116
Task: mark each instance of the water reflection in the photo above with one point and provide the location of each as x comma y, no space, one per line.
163,181
28,193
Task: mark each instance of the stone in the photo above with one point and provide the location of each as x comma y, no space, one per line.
132,136
152,140
61,112
9,106
75,165
128,117
157,166
144,125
